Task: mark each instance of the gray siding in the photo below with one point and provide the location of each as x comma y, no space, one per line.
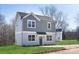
41,26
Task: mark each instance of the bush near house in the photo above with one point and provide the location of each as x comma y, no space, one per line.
68,42
27,50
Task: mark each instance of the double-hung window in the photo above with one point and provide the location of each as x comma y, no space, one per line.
49,37
31,24
31,37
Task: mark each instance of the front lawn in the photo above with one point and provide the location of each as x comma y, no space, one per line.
68,42
13,49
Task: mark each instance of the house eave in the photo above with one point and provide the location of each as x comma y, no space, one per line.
32,15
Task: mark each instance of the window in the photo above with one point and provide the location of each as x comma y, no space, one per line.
31,24
49,38
31,37
49,25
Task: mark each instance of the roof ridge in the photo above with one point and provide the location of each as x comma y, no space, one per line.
35,14
22,14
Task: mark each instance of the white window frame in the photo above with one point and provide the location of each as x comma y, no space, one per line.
31,38
50,25
31,23
49,37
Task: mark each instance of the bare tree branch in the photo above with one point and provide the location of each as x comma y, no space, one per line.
52,12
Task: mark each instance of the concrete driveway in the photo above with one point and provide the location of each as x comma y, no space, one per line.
75,45
70,49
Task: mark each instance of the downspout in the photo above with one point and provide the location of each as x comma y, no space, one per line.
22,35
55,35
22,38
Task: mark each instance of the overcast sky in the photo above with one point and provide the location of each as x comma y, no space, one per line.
9,11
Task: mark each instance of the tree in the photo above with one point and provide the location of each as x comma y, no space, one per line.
1,23
48,10
77,22
77,29
2,32
59,17
2,19
61,21
77,18
6,32
12,25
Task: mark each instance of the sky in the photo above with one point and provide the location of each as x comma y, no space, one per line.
70,10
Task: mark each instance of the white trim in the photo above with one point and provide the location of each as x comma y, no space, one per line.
31,23
50,25
29,32
50,33
31,14
35,32
26,16
26,32
48,39
35,16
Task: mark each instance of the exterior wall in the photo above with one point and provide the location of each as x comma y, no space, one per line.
22,38
25,38
36,42
41,26
58,36
18,38
18,26
18,31
49,42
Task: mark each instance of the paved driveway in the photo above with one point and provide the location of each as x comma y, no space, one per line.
75,45
68,51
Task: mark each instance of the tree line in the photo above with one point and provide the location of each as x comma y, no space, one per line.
7,32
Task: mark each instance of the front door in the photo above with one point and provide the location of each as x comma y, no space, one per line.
40,40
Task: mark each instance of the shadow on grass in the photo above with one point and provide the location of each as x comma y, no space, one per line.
37,45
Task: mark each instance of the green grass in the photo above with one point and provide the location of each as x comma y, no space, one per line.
68,42
13,49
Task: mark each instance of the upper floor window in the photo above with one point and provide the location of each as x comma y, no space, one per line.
31,24
49,25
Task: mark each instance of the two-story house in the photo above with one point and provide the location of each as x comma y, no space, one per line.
32,29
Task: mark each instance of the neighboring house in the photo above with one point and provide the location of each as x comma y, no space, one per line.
32,29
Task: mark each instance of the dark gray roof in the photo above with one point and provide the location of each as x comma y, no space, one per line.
22,14
44,17
58,30
41,32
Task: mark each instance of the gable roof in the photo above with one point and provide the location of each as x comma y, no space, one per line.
23,14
